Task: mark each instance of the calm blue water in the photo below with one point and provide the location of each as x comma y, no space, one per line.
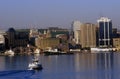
77,66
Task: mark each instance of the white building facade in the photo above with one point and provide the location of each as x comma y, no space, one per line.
76,31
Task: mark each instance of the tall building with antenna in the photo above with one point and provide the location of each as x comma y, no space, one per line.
105,32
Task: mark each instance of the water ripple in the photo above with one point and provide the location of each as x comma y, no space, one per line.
16,74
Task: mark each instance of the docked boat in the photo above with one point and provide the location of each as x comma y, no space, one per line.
9,52
52,50
37,51
56,52
35,65
101,49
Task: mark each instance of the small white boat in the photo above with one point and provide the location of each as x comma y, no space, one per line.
37,51
35,65
9,52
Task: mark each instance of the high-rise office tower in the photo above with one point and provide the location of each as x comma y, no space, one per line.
76,31
105,32
88,35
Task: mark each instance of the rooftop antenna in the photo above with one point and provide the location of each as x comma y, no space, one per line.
101,14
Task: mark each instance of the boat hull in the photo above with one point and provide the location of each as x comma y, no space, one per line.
35,67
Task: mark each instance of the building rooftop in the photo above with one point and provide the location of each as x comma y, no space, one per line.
104,19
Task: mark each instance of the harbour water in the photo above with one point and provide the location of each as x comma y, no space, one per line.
76,66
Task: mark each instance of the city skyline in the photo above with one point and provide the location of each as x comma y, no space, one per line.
55,13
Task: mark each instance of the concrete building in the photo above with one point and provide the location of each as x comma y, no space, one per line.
105,32
11,37
115,33
88,35
33,33
75,31
62,36
116,42
47,42
2,42
2,39
16,39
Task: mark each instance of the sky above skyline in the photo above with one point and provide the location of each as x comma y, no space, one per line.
56,13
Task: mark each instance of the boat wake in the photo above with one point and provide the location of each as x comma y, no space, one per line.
16,74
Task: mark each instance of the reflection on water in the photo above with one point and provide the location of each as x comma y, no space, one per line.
2,63
17,62
77,66
95,65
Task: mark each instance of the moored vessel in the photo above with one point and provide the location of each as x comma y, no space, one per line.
37,51
9,52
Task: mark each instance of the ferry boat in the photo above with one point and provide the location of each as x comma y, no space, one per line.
35,65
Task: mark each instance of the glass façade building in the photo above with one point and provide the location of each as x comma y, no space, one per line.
105,32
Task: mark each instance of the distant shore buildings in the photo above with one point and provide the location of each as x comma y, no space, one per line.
81,36
2,42
91,35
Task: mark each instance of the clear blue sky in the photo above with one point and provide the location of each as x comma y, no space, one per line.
53,13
